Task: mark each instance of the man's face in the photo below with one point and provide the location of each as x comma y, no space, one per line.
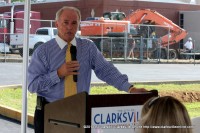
67,25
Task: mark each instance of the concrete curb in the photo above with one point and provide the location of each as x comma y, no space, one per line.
14,114
10,86
122,60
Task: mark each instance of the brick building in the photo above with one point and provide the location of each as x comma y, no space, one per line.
169,10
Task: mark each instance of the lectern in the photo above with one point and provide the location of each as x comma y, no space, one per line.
83,113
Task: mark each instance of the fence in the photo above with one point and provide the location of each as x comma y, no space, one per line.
113,42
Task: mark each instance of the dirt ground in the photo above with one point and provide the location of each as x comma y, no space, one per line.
183,96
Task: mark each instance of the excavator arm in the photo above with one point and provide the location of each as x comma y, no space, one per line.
117,26
175,32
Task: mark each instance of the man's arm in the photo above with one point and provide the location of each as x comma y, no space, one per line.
185,45
39,79
108,72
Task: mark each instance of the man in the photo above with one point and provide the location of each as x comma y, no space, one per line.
48,68
189,46
131,47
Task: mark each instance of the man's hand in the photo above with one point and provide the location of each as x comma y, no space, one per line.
68,68
137,90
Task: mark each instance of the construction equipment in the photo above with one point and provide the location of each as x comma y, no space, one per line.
153,17
120,24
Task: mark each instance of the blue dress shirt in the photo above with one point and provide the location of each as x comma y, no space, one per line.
47,58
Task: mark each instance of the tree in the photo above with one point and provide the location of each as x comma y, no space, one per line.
17,1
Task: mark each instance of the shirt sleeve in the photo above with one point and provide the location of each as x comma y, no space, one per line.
107,71
185,44
39,78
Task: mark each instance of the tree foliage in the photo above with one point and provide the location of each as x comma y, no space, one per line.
17,1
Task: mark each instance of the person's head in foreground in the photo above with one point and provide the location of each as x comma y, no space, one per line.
165,115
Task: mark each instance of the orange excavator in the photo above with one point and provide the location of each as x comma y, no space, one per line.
119,25
175,32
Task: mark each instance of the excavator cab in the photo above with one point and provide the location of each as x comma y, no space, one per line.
114,15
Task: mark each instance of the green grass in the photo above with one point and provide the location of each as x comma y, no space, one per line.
159,87
172,87
13,97
193,109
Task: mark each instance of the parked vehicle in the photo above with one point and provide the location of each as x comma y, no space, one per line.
41,36
12,24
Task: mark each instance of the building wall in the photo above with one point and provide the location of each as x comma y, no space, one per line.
48,10
192,26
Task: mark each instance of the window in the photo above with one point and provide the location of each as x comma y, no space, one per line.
2,23
42,32
55,31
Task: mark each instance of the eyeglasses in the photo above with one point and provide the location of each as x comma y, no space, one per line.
153,101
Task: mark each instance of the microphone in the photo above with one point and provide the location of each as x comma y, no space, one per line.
73,57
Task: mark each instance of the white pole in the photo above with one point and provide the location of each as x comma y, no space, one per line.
25,65
12,20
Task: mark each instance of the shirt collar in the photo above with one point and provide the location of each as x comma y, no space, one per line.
62,43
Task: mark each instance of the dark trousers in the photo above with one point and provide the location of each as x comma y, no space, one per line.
188,51
39,121
39,115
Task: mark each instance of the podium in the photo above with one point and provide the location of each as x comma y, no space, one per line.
81,113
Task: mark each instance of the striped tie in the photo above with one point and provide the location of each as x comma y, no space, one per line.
70,85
